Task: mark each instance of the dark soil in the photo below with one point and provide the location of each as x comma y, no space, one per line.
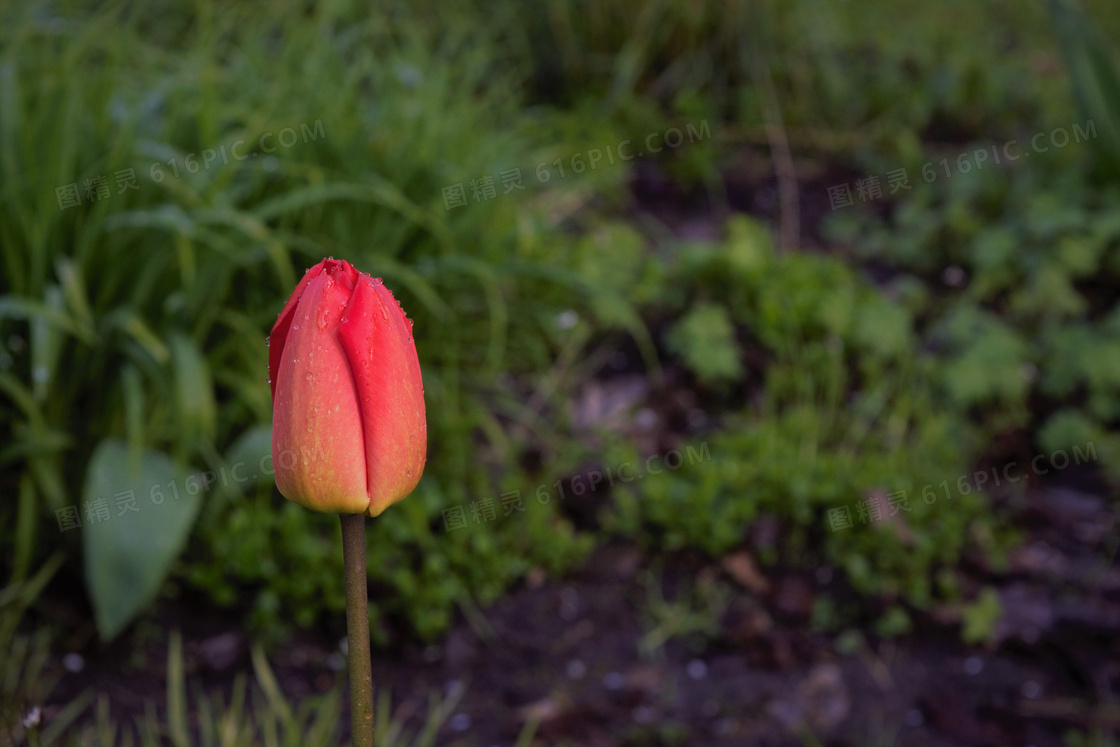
568,654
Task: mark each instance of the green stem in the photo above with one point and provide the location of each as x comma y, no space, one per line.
357,630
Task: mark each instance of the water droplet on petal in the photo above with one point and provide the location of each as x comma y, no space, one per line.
330,257
310,377
295,326
345,320
268,342
410,473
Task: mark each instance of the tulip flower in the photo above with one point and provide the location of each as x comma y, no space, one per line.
348,429
348,433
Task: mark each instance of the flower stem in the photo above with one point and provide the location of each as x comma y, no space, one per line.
357,630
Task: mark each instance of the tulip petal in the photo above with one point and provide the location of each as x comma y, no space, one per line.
283,324
318,453
377,338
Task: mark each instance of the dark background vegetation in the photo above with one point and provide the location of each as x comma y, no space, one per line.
707,305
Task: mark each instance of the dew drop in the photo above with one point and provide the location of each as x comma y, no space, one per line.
345,319
410,322
295,326
410,339
330,257
306,317
310,377
365,363
270,381
410,473
268,342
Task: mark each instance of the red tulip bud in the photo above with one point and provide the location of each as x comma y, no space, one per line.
348,428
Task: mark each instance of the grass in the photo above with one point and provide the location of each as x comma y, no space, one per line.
252,715
162,295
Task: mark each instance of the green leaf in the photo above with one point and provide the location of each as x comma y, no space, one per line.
250,456
1095,79
705,339
1066,428
194,392
980,618
46,346
883,328
132,324
16,307
128,555
988,361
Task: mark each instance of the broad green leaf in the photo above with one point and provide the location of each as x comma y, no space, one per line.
150,510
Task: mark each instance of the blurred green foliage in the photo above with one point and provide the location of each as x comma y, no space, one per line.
137,321
1025,324
143,315
847,404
